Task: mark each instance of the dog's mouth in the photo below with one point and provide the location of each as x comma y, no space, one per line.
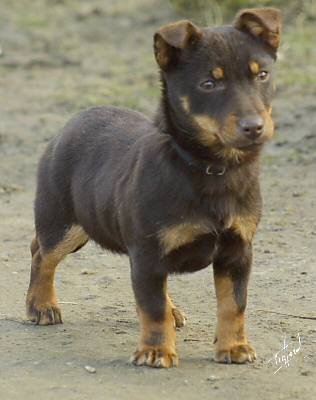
242,144
250,146
237,141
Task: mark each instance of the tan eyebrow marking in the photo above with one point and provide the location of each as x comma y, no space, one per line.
254,67
218,73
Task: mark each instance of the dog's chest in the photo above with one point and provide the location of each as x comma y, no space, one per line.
211,222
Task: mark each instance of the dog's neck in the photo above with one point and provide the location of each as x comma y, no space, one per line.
184,137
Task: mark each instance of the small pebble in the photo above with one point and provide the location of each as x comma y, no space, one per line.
212,378
87,272
90,369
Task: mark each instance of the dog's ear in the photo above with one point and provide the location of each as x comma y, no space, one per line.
170,39
264,23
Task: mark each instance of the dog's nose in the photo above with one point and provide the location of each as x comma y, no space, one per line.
252,126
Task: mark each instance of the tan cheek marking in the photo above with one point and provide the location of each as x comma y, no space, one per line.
185,103
227,133
254,67
268,124
174,237
218,73
208,129
245,226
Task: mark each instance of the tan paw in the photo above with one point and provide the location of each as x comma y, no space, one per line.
239,354
179,317
156,358
44,314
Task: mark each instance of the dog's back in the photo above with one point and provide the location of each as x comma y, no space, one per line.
93,147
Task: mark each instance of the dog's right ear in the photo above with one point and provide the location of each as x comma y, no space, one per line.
263,23
170,39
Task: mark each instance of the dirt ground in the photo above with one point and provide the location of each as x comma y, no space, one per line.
58,57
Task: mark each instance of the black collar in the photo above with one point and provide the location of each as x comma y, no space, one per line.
202,165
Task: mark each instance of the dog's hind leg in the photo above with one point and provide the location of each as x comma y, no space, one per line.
34,246
41,302
179,317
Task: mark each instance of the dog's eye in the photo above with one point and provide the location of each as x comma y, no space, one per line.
262,76
208,85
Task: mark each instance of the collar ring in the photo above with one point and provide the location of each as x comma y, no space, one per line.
209,171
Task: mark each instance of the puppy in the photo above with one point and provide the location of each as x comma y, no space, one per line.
175,194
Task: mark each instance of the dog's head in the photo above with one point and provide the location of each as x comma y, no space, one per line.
218,82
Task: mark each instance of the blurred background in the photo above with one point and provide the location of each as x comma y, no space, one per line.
61,56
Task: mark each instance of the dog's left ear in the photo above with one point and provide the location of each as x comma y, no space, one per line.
171,39
264,23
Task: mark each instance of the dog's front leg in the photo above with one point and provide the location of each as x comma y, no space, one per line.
157,345
232,266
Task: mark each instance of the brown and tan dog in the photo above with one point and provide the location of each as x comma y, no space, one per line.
176,194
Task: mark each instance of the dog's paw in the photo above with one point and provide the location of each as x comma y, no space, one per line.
179,317
156,358
239,354
44,314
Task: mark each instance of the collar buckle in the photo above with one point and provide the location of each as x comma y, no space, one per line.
210,171
198,164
